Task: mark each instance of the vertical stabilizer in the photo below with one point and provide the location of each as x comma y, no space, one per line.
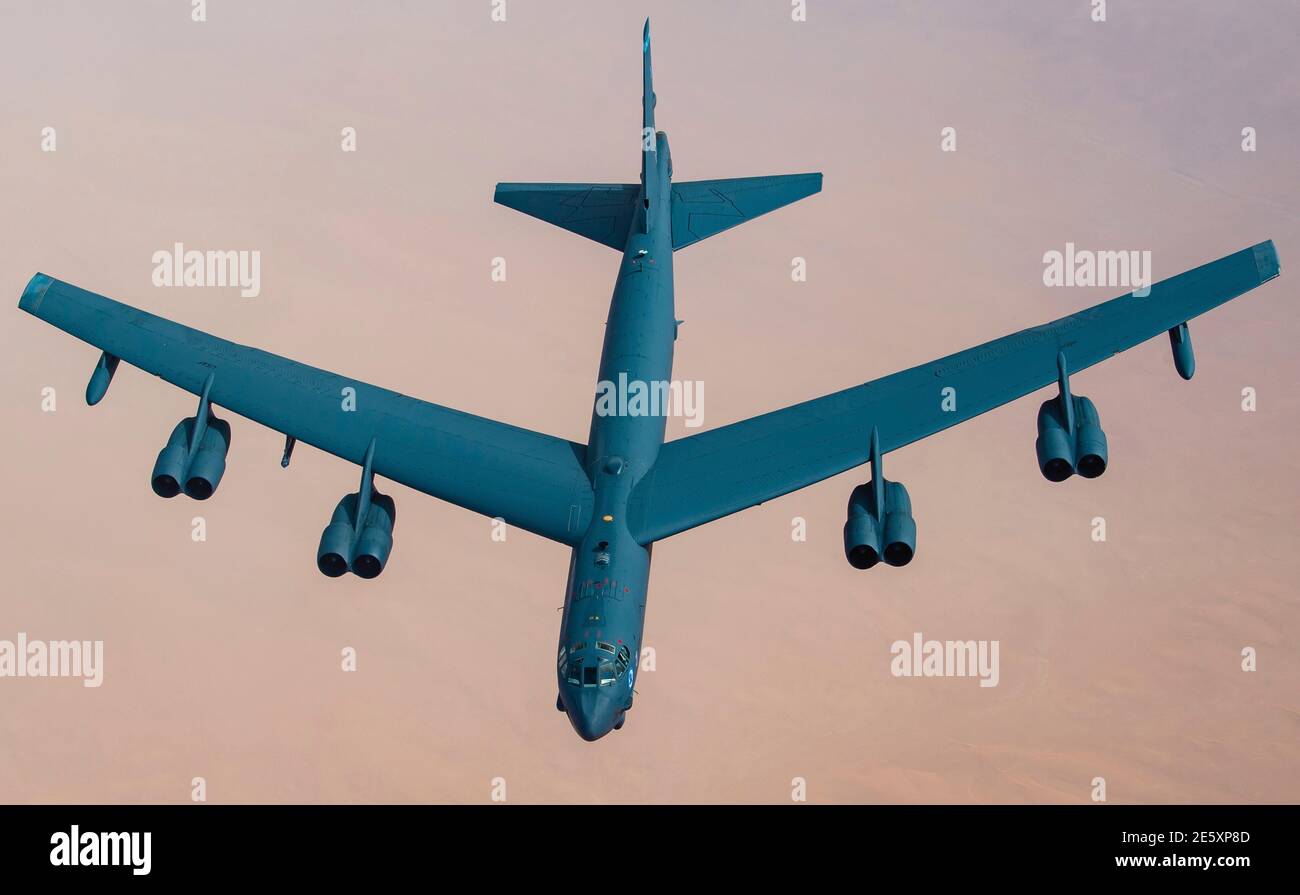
649,162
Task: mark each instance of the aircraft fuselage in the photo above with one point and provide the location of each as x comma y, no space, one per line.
604,603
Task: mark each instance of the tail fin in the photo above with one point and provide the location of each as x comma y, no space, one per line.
648,141
704,208
606,212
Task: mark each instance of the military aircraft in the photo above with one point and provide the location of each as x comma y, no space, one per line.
611,499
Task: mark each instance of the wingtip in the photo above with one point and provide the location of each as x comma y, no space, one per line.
1266,262
31,298
645,36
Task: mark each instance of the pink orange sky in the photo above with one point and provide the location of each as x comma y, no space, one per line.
1119,660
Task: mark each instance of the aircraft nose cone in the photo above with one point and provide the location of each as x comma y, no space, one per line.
593,715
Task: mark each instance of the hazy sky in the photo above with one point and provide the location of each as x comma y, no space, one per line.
1119,660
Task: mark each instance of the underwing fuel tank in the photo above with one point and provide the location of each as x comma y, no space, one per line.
101,378
1180,340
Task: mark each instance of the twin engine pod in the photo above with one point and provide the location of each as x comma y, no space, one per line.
196,469
1070,442
1070,438
358,545
865,531
880,518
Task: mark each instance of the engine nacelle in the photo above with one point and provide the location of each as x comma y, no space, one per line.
865,533
197,475
900,527
169,468
1054,446
1062,453
209,462
1090,440
376,540
861,533
334,554
361,549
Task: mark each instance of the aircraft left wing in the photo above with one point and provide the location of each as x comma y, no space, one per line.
706,476
533,481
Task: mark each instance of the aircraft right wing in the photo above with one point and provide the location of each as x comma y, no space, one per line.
706,476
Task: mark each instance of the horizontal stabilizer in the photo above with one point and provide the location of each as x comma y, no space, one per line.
703,208
599,211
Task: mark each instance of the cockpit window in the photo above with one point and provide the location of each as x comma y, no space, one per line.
598,671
